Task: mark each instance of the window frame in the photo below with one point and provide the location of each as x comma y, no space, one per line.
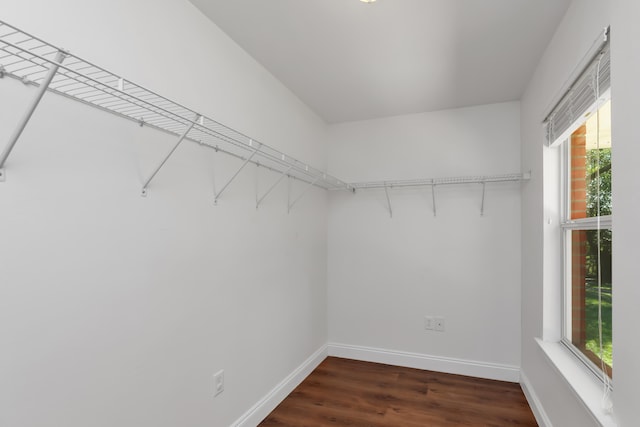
566,226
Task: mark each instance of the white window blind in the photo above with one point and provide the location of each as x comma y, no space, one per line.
581,96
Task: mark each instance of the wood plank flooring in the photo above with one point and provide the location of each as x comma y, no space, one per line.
342,392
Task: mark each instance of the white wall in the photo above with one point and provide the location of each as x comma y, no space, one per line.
626,202
582,24
386,274
115,310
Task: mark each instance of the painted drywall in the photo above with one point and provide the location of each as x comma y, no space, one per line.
626,201
386,274
581,26
116,310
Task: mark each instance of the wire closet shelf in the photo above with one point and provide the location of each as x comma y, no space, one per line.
478,179
434,182
30,59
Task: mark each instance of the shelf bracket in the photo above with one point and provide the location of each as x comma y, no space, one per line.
433,197
288,192
484,185
53,69
256,183
386,192
282,175
175,147
247,160
308,187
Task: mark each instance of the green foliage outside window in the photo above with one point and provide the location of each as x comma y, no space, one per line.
603,184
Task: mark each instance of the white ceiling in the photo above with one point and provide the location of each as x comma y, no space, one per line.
348,60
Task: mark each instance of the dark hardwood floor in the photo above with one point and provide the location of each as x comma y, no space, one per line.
342,392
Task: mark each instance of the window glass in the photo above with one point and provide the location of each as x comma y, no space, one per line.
585,332
588,236
591,166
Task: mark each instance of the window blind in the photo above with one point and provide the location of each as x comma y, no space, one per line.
582,95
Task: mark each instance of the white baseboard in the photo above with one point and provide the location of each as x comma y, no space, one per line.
268,403
448,365
536,406
472,368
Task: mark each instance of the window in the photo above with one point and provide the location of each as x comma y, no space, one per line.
579,127
586,230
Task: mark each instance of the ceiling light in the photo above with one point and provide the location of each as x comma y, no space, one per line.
367,1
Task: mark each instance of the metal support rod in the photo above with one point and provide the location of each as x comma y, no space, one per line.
273,186
248,159
386,192
433,198
175,147
288,192
255,184
27,115
308,187
484,184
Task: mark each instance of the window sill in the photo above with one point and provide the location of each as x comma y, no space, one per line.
584,384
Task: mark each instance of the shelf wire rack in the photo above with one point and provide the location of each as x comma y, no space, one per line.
39,63
477,179
435,182
30,59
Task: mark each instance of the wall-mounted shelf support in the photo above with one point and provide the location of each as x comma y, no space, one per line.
275,184
288,192
307,188
44,85
433,197
484,187
386,192
247,160
169,154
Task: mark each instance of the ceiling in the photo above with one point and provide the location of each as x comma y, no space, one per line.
348,60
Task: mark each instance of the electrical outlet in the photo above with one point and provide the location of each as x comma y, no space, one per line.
438,324
428,323
218,383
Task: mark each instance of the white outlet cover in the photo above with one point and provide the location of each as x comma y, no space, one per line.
218,382
438,324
